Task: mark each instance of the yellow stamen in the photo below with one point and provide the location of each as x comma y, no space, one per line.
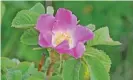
61,36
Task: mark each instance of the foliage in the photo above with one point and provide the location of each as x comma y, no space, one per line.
30,37
22,70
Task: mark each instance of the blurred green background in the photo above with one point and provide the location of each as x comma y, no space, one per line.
118,16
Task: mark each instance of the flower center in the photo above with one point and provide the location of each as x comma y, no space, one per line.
60,37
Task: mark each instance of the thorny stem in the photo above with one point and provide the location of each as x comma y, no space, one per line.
61,65
50,70
60,62
54,58
52,62
41,62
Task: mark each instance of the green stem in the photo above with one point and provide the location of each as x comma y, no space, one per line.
61,65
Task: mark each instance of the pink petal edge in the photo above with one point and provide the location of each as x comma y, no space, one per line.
45,23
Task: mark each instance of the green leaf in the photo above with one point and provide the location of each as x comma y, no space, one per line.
31,71
30,37
28,18
23,66
25,19
71,69
102,37
14,75
96,68
56,78
91,27
84,72
7,63
38,8
31,68
34,78
100,55
34,72
26,52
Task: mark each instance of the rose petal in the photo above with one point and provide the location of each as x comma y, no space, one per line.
45,23
83,34
74,19
65,16
45,40
63,47
62,27
78,51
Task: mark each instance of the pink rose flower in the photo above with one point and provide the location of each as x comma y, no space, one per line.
62,33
